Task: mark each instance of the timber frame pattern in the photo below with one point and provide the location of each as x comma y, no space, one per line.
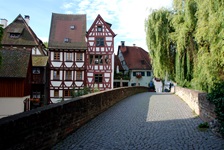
99,55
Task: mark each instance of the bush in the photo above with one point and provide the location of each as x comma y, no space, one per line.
203,125
217,98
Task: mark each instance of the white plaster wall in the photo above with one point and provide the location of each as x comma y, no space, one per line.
56,83
79,64
144,80
68,64
56,64
11,105
35,51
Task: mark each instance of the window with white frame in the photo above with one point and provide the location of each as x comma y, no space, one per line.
69,56
78,75
56,74
79,57
68,75
56,55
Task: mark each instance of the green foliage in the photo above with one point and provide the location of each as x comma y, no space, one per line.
160,45
46,44
121,75
80,92
209,68
187,43
203,125
217,98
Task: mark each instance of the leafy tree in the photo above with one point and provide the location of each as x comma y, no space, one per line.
209,68
160,45
46,44
187,42
184,24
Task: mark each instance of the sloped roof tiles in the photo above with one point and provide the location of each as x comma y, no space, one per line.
136,58
70,26
26,35
15,63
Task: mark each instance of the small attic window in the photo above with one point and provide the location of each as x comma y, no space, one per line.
72,27
14,35
99,29
67,40
143,62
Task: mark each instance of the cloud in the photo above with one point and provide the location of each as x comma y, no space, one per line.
44,39
67,5
69,12
127,16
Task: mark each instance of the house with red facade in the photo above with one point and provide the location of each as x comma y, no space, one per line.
19,37
136,63
100,55
15,80
67,49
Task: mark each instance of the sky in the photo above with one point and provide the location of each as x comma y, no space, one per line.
126,16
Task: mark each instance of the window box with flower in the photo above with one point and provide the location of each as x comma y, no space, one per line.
138,75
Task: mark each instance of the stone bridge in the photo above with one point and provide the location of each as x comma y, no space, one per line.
137,120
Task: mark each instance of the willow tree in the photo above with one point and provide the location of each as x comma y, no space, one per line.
209,68
184,23
160,46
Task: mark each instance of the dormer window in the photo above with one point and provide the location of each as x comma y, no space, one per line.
99,29
14,35
15,32
72,27
67,40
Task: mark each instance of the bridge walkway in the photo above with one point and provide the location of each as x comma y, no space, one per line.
157,121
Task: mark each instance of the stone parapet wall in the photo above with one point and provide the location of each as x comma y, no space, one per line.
197,102
43,127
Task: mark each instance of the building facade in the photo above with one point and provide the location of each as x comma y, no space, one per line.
18,36
67,49
99,55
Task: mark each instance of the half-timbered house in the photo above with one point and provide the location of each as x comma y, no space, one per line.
67,48
99,56
18,35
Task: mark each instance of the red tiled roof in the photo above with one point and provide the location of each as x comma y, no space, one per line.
60,29
117,62
135,57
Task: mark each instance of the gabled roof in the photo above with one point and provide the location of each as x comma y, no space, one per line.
39,61
14,63
135,57
68,26
108,25
19,26
117,62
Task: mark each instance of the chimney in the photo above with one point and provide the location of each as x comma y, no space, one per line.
4,23
27,19
122,43
134,45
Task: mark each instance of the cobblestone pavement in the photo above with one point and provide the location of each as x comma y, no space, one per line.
141,122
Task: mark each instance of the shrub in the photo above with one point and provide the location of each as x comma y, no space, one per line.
217,98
